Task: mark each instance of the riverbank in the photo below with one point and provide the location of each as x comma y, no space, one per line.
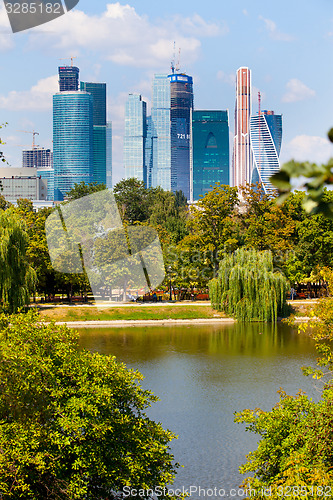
148,314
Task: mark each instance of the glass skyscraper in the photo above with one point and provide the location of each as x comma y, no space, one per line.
135,138
181,105
266,138
210,150
109,155
72,141
242,155
100,135
161,132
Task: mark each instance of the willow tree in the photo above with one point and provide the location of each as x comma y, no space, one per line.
248,288
17,278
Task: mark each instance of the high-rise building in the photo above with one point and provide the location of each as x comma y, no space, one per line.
72,141
135,138
181,106
68,78
161,133
242,155
47,174
37,157
149,151
210,150
266,138
100,135
109,155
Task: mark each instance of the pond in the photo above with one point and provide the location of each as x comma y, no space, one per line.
202,375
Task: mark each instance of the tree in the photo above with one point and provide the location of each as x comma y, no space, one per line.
17,278
73,423
133,200
82,189
248,288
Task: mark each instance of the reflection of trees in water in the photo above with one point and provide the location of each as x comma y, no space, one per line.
263,340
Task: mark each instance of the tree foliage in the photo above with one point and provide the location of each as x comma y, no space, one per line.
17,277
73,423
248,288
82,189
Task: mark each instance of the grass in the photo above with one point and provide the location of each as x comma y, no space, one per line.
78,313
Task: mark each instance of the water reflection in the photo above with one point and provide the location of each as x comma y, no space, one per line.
202,374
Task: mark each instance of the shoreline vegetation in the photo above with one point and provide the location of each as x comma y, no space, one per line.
128,314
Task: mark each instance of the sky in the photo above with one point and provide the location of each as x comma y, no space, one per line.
288,46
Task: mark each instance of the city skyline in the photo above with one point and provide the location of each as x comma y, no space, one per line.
125,44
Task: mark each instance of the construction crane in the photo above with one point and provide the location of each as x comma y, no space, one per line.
66,59
33,136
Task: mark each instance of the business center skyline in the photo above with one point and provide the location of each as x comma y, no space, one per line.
288,49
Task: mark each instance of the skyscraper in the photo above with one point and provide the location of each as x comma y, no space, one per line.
72,141
135,138
100,135
109,155
181,93
161,132
68,78
210,150
242,155
266,138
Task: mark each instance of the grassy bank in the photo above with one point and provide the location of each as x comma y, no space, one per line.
68,313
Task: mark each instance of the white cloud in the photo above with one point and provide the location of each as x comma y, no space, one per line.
124,37
297,91
6,35
38,98
274,33
308,148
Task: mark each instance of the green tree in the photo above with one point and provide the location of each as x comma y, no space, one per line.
132,198
248,288
73,423
82,189
17,278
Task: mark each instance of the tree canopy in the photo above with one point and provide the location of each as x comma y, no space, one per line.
73,422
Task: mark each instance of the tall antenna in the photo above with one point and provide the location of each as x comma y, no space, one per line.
173,58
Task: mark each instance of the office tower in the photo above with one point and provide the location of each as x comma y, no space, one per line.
210,150
68,78
109,155
161,132
181,100
37,157
149,151
266,138
72,141
242,156
100,134
135,138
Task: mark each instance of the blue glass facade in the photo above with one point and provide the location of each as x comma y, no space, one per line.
181,105
48,174
266,139
98,92
210,143
72,141
161,132
109,155
135,138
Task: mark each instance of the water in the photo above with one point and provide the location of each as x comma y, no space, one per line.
202,375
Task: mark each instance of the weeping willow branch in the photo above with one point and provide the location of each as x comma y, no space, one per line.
248,288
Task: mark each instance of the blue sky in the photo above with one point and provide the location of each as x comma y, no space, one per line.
288,45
